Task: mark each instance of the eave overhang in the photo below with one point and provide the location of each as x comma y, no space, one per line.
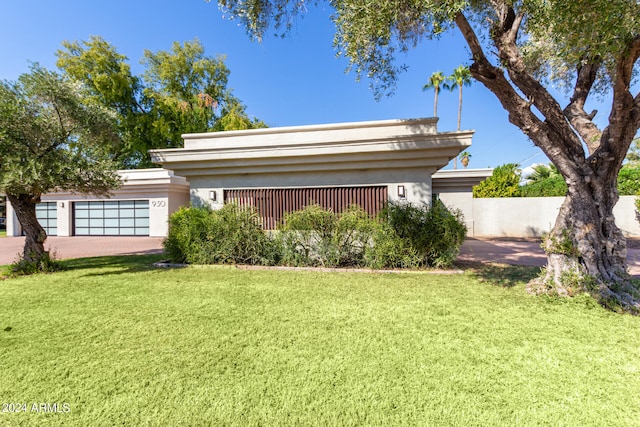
389,144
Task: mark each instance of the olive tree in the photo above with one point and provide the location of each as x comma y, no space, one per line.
51,139
519,49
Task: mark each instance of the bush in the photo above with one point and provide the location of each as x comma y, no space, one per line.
226,236
46,264
549,187
629,181
434,234
316,236
503,182
404,236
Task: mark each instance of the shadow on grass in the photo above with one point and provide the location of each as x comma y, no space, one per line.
501,274
110,265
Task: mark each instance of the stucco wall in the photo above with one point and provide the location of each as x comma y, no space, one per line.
532,216
417,184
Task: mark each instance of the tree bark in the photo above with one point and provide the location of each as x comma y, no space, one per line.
35,236
586,250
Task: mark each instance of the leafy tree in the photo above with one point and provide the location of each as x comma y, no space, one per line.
181,91
461,77
518,49
51,138
503,182
436,81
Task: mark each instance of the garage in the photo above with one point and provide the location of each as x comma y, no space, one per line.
111,218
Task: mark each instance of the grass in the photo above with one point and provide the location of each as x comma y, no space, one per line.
114,341
3,233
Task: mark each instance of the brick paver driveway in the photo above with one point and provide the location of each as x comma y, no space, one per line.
80,247
516,252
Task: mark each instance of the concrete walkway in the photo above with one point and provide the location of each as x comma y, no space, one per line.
503,251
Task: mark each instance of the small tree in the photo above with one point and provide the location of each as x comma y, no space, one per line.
51,138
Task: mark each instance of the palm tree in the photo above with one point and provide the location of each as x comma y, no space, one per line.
436,81
464,158
461,77
543,172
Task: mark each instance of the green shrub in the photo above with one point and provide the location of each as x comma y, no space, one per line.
434,233
503,182
629,181
316,236
46,264
226,236
403,237
549,187
388,250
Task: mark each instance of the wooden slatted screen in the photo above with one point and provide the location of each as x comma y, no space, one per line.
272,203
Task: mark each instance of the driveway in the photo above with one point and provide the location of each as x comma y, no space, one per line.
81,246
503,251
526,252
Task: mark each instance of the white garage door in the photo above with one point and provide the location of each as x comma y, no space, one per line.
111,218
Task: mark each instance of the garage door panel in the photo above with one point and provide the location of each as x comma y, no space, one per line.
47,214
112,218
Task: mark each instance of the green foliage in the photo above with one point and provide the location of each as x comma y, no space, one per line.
51,138
548,187
44,264
405,236
503,182
433,233
227,236
562,244
629,181
181,91
633,155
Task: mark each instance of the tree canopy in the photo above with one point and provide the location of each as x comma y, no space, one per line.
181,91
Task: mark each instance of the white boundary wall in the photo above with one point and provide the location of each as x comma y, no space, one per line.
528,216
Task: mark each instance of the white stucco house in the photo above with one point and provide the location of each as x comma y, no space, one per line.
275,170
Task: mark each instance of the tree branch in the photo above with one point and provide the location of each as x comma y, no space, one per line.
575,113
505,40
543,133
624,119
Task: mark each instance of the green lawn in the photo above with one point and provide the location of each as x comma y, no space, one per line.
112,341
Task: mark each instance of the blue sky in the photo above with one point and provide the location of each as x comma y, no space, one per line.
292,81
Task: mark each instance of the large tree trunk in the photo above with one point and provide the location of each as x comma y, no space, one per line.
586,250
35,236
